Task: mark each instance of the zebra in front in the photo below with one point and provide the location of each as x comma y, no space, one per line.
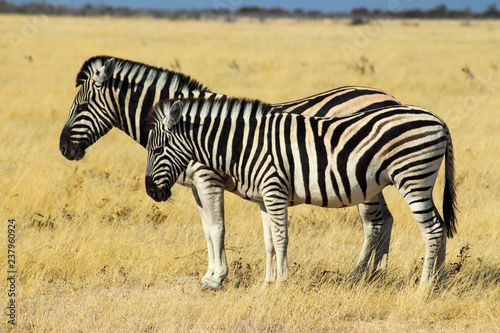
119,93
280,159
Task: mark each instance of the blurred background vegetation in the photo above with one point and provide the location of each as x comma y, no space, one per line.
357,15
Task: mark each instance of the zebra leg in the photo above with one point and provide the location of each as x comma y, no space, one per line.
210,248
277,209
373,226
434,232
268,241
440,263
382,250
211,206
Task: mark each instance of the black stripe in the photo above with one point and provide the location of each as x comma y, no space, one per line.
425,211
285,138
303,156
224,138
418,189
321,159
147,104
415,177
165,91
252,124
379,105
236,140
124,86
418,201
253,167
246,161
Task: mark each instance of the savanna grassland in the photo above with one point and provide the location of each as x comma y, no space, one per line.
95,254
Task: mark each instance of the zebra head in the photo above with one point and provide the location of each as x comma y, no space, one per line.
87,120
168,152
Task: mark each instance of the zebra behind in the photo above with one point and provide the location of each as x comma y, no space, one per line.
120,93
281,159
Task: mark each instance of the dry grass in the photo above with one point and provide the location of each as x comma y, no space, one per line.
96,254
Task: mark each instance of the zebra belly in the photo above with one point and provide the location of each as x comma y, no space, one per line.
238,188
333,192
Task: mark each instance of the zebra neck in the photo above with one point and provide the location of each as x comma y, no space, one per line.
224,133
134,101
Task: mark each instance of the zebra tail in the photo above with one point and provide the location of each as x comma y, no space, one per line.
450,197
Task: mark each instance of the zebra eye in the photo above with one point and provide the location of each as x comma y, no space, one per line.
158,150
82,106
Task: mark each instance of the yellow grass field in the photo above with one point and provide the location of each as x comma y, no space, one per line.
95,254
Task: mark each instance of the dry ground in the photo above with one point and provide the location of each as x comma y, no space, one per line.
95,254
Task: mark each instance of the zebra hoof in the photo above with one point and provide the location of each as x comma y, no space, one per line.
209,284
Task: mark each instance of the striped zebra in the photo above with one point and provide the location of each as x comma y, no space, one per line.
280,159
119,93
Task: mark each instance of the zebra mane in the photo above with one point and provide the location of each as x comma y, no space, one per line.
158,112
181,80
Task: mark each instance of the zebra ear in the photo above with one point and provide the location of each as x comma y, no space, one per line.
105,72
175,113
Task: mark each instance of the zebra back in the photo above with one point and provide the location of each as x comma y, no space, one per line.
338,102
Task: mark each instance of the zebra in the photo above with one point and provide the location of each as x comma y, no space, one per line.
280,159
115,92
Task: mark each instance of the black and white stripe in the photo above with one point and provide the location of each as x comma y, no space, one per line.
119,93
282,158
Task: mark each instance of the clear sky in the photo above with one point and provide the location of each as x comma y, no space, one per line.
322,5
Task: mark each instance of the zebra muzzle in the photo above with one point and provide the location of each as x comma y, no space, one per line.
69,149
156,193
